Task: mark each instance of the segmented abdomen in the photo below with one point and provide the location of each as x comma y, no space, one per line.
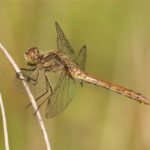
82,76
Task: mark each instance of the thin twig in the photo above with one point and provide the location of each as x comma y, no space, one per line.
38,115
4,124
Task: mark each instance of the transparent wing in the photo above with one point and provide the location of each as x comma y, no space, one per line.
81,58
61,96
62,42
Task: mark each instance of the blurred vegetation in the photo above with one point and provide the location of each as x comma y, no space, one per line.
117,35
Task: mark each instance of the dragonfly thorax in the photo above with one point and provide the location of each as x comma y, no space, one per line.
53,61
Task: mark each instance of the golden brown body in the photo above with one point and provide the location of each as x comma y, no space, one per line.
71,66
61,63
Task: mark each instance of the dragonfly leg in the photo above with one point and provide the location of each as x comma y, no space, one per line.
26,76
34,81
29,69
40,105
81,83
48,83
29,77
48,86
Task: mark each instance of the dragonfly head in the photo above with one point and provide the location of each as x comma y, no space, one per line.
32,56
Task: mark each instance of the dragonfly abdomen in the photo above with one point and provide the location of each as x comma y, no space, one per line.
116,88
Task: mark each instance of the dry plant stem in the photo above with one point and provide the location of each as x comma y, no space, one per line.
4,124
38,115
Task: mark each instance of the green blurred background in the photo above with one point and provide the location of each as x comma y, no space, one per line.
117,36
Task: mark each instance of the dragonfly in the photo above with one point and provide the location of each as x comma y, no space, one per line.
71,67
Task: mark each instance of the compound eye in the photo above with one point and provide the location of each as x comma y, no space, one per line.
34,49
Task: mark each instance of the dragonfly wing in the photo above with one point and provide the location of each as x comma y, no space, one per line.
61,97
62,42
81,57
